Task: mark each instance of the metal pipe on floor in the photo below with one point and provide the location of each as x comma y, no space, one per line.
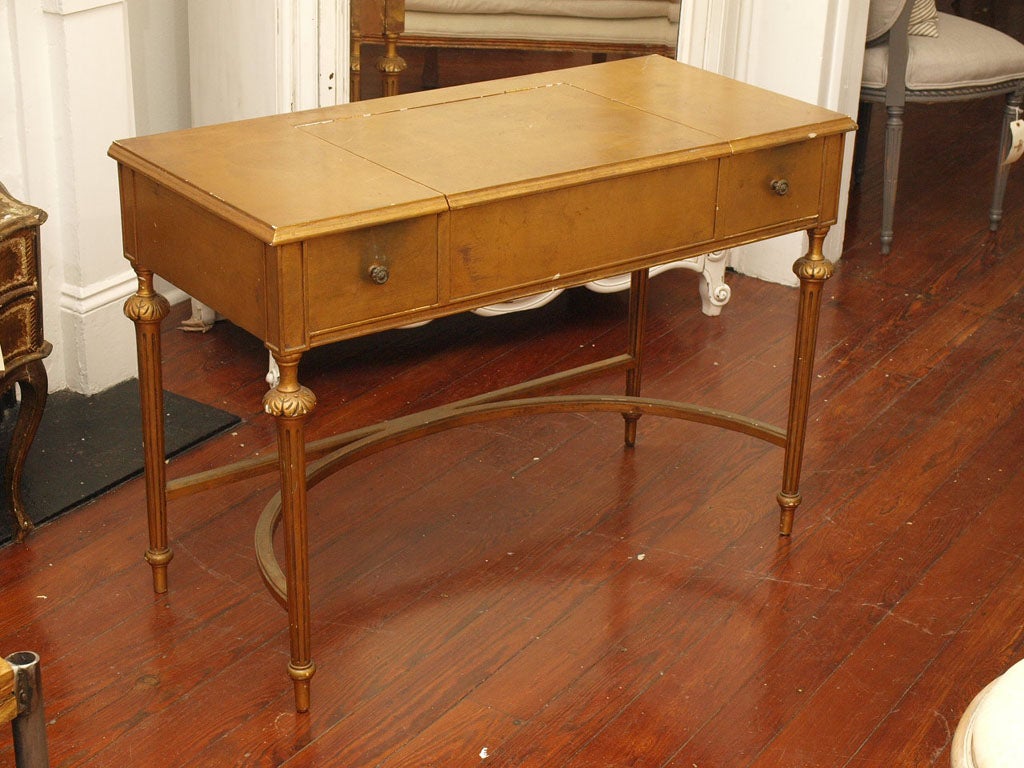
29,727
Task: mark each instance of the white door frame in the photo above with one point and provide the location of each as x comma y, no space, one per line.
743,39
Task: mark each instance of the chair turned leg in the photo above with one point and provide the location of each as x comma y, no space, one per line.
1010,113
431,70
893,142
355,83
860,142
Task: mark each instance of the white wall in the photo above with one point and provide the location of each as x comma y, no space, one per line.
70,81
808,49
66,91
233,56
158,42
258,57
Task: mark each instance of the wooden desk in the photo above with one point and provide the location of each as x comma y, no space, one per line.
314,227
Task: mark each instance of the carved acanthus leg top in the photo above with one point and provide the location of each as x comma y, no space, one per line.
289,403
147,308
391,66
813,270
278,402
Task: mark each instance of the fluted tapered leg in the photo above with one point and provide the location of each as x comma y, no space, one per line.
1010,113
893,144
146,308
813,270
289,403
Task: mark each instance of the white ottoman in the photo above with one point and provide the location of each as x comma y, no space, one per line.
991,732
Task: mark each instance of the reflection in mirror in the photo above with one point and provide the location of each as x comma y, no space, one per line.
408,45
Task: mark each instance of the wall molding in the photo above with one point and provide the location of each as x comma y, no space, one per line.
68,7
81,300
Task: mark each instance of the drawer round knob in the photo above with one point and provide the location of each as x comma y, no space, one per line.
780,187
379,274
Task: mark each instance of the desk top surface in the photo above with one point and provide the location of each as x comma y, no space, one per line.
289,177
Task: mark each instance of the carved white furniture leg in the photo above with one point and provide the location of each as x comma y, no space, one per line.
201,319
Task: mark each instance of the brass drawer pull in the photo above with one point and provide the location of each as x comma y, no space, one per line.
780,186
379,274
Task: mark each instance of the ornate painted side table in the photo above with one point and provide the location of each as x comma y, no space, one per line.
21,337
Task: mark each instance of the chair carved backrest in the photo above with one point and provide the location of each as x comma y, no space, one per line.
882,15
889,23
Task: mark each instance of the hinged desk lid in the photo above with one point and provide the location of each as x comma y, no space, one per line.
288,177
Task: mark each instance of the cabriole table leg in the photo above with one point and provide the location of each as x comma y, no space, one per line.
33,382
813,270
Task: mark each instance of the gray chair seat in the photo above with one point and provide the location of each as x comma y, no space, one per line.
965,56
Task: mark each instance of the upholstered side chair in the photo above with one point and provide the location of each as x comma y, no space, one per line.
915,54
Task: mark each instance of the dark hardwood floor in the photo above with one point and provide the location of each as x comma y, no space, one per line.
533,589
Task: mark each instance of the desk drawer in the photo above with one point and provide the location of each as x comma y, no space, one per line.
539,238
769,187
371,273
18,260
21,328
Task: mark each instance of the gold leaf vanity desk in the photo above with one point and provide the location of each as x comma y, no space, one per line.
309,228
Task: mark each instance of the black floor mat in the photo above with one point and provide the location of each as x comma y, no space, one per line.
88,445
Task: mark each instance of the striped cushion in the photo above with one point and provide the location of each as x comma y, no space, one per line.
923,18
882,14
